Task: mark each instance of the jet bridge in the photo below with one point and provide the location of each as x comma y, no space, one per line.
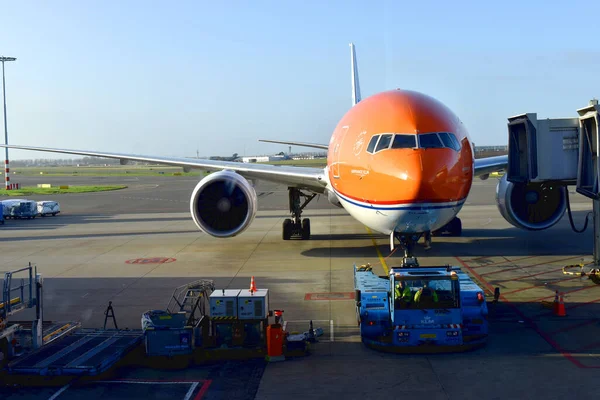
558,152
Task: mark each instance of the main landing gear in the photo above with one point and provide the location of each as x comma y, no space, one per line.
296,226
452,228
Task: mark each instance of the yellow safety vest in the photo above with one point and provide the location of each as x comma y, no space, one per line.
433,294
405,294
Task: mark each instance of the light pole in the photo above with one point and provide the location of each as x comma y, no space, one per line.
6,169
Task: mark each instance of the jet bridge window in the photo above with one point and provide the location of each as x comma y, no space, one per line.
384,142
372,144
430,141
404,142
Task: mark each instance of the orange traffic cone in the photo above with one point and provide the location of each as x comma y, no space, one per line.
560,311
252,286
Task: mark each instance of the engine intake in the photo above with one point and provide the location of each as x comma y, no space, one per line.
223,204
533,206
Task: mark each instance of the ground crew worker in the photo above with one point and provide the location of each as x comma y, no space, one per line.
428,293
402,293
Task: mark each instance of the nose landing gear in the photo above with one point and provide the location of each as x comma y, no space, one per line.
296,226
407,243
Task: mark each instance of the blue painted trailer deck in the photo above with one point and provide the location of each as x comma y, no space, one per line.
83,352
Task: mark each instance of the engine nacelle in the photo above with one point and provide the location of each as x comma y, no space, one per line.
533,206
223,204
332,198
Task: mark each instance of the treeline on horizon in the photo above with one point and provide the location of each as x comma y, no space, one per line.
479,153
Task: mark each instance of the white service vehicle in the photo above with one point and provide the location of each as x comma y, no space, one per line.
48,207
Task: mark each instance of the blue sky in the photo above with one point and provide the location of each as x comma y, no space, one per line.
168,78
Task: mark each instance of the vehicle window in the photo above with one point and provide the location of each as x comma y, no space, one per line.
372,144
384,142
430,141
435,293
404,142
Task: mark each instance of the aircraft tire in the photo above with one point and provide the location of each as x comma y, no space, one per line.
287,229
456,227
305,229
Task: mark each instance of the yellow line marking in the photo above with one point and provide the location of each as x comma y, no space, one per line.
381,259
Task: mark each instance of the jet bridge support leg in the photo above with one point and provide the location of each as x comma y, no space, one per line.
296,226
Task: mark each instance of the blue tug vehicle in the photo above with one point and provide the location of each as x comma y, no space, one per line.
417,309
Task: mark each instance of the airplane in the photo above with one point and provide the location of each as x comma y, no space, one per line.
400,162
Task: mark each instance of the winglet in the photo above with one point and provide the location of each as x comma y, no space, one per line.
355,84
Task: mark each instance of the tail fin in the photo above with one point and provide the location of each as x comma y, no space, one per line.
355,84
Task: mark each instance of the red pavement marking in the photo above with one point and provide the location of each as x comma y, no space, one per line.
544,335
500,262
203,389
529,276
572,307
582,304
541,285
564,293
589,346
330,296
571,327
527,266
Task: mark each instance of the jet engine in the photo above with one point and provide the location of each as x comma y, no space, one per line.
532,206
223,204
332,198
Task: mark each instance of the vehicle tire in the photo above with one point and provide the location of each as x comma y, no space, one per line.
305,229
287,229
3,352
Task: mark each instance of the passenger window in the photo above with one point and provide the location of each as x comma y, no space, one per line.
445,136
384,142
430,141
372,143
404,142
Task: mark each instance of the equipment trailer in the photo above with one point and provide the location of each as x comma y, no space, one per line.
420,310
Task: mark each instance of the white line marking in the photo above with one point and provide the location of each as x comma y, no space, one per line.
62,389
85,295
331,330
190,392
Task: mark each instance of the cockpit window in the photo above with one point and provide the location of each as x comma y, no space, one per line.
384,142
430,141
372,144
455,141
448,142
404,142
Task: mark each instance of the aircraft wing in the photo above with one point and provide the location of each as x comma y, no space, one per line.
301,144
485,166
312,179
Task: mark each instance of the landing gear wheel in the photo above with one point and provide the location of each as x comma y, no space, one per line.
305,229
455,227
287,229
297,227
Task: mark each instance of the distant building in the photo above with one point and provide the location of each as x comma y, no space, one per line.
259,159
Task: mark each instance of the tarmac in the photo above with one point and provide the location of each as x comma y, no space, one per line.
87,257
